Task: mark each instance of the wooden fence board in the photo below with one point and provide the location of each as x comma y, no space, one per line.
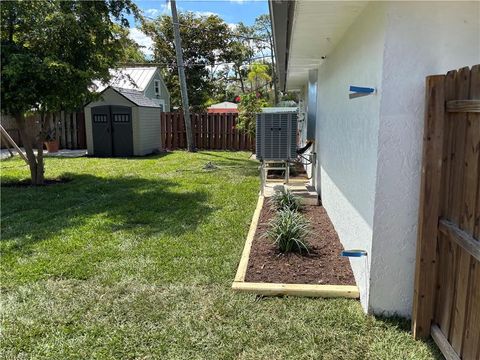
471,335
458,314
197,130
460,300
216,127
210,132
446,283
462,81
453,253
462,238
470,106
471,346
223,130
204,131
474,119
425,275
448,146
443,344
168,133
233,124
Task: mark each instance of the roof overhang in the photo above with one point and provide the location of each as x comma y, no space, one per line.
306,32
281,16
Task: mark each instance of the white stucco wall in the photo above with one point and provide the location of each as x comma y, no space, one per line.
369,148
347,132
422,38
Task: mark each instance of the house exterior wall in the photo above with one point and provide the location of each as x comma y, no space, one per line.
346,135
148,136
164,94
369,148
421,39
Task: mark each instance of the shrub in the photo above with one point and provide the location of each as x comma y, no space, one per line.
285,199
289,230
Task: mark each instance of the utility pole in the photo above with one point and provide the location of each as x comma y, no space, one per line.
181,75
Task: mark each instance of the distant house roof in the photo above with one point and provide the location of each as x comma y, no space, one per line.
225,106
133,78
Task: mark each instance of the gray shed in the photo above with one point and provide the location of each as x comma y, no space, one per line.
122,123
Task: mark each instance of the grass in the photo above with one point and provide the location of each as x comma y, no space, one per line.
134,259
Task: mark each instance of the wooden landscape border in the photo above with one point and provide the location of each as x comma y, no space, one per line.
277,289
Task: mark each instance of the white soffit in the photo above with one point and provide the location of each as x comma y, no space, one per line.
317,28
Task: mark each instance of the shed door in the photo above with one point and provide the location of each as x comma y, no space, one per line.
122,131
101,128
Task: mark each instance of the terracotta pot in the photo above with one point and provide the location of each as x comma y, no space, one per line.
52,146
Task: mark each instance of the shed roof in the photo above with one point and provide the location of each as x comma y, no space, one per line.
137,97
134,96
133,78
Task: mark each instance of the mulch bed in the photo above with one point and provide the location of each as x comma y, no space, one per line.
323,266
27,182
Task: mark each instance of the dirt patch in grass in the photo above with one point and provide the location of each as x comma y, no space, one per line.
27,182
322,266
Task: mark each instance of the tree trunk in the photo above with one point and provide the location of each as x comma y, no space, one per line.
274,70
35,162
238,73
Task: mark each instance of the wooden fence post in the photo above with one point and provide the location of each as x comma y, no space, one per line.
74,131
425,267
63,125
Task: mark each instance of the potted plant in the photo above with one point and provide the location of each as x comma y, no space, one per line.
51,142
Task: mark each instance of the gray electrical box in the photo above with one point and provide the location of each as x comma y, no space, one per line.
276,136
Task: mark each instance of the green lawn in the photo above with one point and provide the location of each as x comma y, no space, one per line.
134,258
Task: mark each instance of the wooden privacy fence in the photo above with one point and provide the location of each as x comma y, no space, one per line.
69,129
447,274
210,132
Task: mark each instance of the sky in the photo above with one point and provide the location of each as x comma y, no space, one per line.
231,11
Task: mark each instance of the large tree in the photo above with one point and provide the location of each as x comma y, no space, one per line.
251,49
263,31
205,46
51,51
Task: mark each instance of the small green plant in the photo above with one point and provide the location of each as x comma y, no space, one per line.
289,230
285,199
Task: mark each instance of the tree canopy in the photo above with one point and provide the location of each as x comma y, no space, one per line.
51,51
218,57
204,43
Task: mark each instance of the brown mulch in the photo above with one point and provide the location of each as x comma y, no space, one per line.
322,266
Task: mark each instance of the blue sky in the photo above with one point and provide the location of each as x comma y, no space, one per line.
232,11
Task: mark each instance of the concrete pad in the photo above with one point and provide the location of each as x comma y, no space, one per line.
300,188
4,154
